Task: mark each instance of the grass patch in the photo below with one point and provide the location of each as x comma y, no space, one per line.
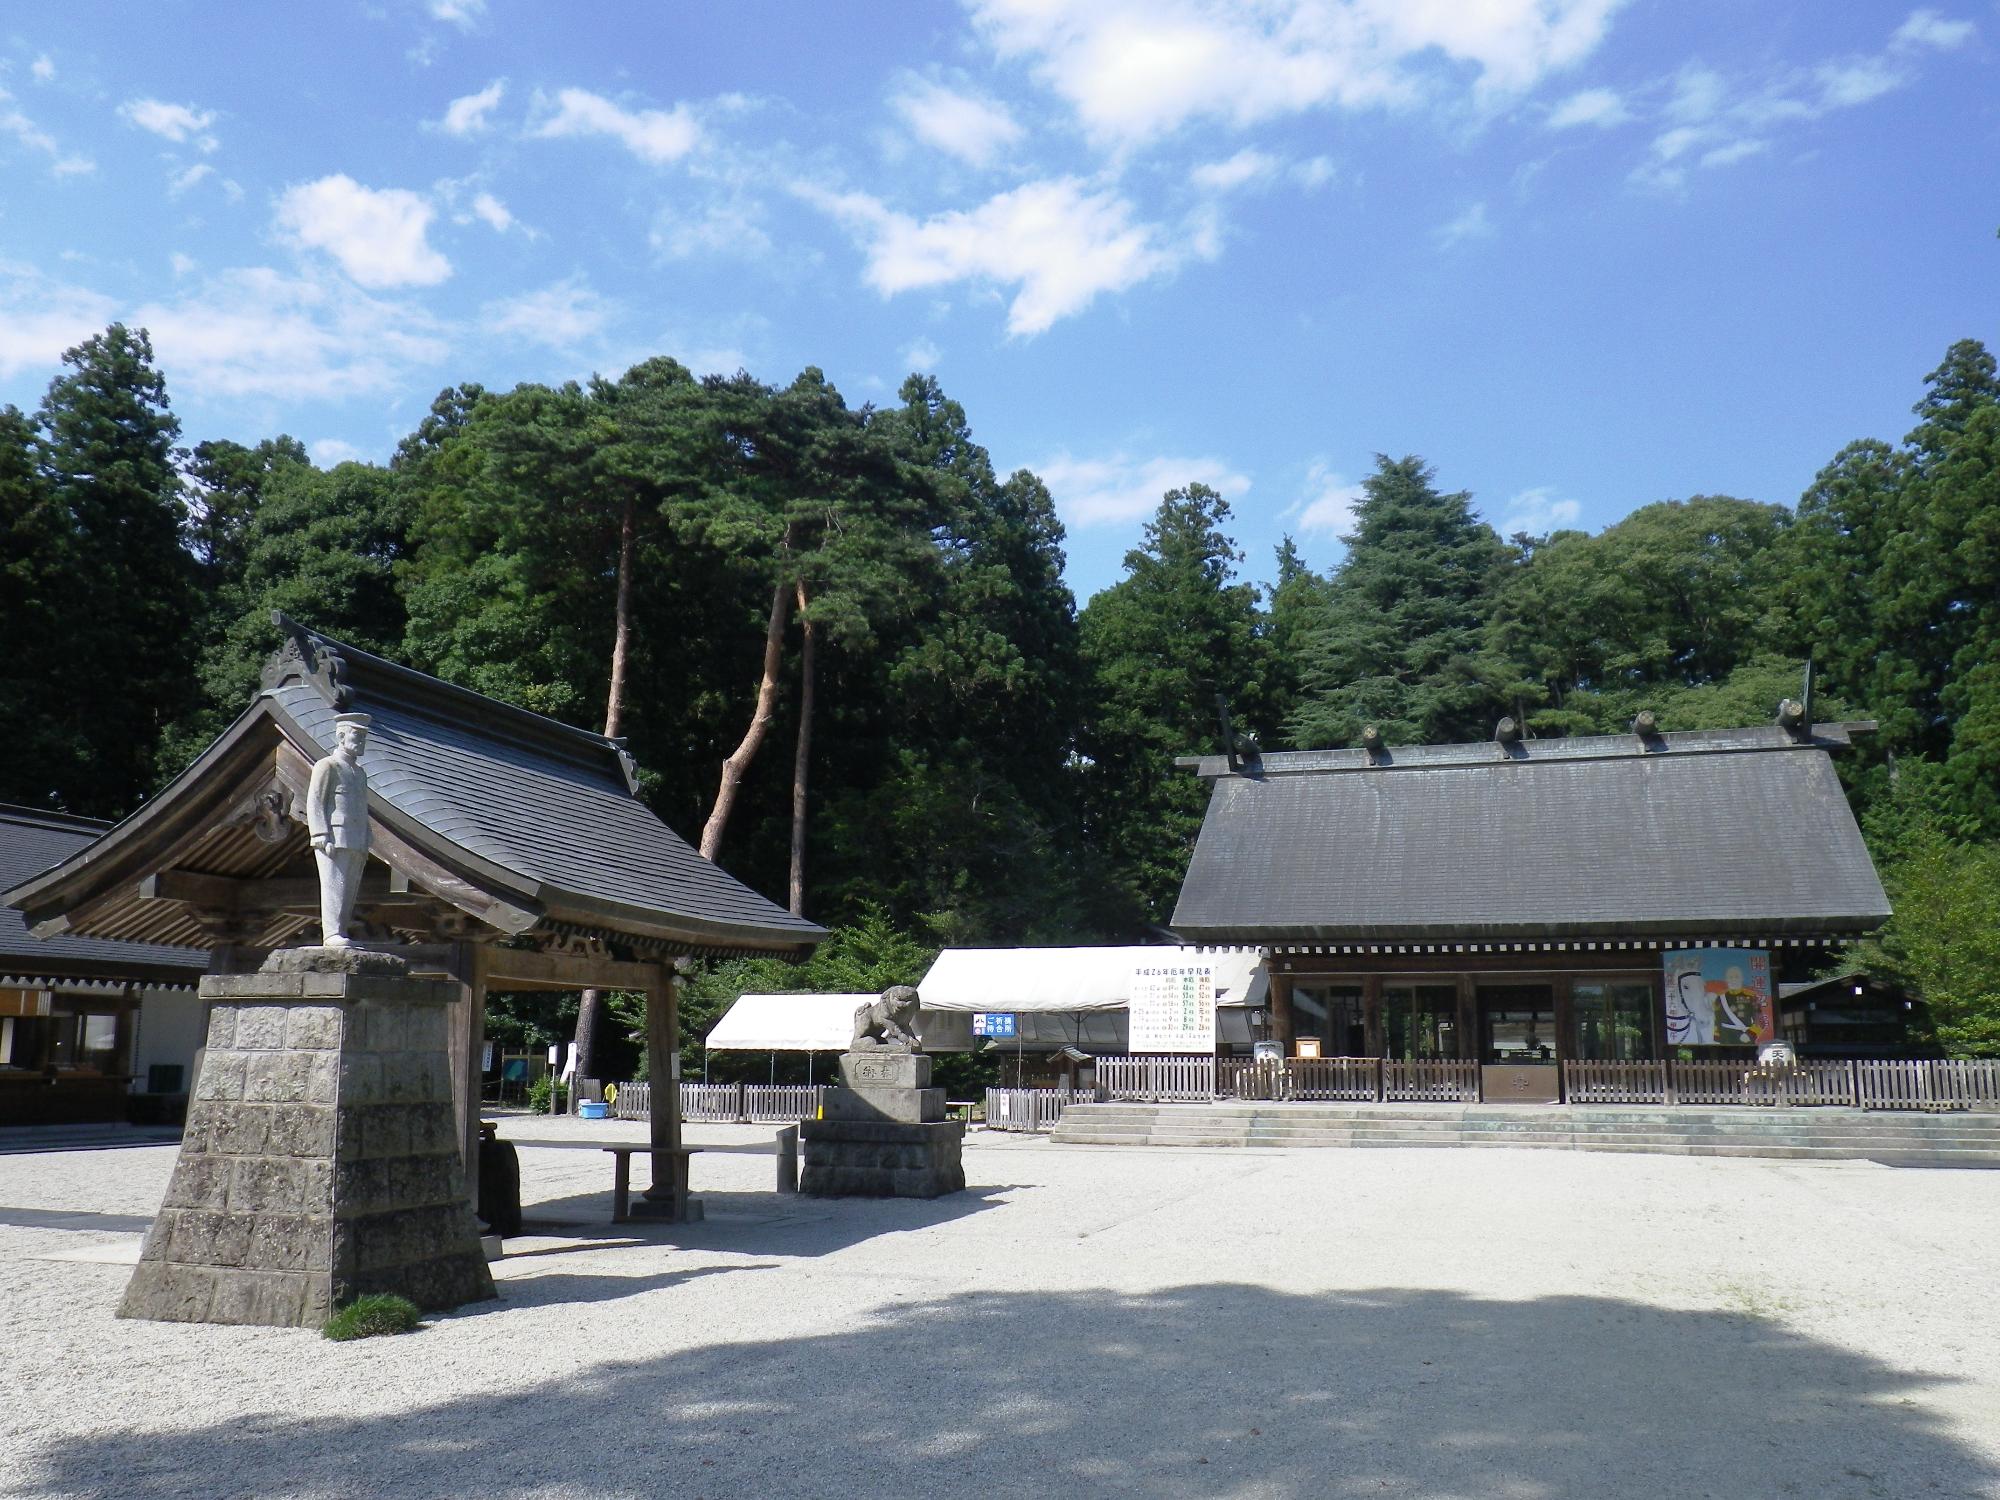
371,1316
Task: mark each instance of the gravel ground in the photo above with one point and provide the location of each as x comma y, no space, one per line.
1436,1323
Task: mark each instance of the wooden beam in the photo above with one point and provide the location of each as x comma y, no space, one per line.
668,1197
522,968
1283,1029
379,887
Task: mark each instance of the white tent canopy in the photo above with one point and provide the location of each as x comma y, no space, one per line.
787,1023
1075,980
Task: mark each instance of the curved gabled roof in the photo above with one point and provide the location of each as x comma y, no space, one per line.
32,841
1690,835
518,820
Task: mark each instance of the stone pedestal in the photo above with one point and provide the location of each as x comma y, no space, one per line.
884,1134
321,1158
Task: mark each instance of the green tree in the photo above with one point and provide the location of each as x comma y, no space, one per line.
1657,611
322,546
955,807
1892,575
41,576
1298,600
1397,642
106,436
1943,942
1158,646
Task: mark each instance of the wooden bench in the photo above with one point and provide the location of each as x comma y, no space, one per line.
621,1181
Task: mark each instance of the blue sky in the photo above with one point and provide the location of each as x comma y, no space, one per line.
1580,254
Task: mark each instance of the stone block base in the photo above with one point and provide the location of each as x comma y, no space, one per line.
902,1106
881,1159
320,1161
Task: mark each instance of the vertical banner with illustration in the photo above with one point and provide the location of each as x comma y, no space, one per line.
1719,997
1173,1008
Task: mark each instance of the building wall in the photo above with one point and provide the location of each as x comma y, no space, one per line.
170,1032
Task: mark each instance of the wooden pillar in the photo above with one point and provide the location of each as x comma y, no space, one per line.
468,1036
1282,1024
1371,1014
1468,1019
667,1198
1565,1038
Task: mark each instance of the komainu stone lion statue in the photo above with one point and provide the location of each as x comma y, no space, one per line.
888,1024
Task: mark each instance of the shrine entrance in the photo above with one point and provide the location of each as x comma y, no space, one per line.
1520,1060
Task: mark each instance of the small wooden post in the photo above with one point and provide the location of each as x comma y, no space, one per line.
1282,1023
667,1198
1371,1014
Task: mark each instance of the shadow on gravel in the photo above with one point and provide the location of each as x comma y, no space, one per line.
74,1218
1211,1390
757,1223
554,1287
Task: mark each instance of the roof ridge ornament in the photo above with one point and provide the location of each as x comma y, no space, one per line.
309,657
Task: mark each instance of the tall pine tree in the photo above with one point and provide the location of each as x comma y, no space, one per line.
1397,642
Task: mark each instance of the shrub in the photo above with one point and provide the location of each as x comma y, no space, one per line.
367,1317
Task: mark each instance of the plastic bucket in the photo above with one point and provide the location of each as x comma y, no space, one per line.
593,1109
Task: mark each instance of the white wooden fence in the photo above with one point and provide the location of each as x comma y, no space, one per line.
1030,1110
726,1103
1886,1084
1156,1078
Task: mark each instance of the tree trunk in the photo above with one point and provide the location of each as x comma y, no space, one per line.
621,642
591,1011
801,757
733,769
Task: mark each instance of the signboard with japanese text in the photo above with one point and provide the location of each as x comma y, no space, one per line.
1719,997
1173,1008
995,1023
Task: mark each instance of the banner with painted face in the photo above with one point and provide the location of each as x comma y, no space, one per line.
1719,997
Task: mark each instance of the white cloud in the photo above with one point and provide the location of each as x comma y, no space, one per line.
1600,107
653,135
464,13
329,451
563,316
1735,151
1242,169
1059,243
13,122
40,318
182,181
493,212
922,354
184,265
1106,491
1314,172
44,67
1713,122
1134,70
176,122
379,235
1843,85
1473,224
256,332
1538,512
1926,28
967,126
468,115
724,226
1327,508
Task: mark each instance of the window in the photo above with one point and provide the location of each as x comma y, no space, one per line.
1420,1020
1614,1020
1333,1014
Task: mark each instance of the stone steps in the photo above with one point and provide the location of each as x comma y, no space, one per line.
1961,1139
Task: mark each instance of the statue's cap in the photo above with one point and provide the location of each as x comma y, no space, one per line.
359,721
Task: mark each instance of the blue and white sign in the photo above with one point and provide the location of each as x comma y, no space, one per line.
995,1023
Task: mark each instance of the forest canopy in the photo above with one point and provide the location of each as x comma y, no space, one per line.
841,647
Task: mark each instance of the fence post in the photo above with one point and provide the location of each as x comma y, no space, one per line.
742,1105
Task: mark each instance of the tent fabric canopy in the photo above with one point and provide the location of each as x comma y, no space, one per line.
787,1023
1074,980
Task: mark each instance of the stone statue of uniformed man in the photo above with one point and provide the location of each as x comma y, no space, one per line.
337,822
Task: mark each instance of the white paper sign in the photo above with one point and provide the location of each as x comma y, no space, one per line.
1173,1008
